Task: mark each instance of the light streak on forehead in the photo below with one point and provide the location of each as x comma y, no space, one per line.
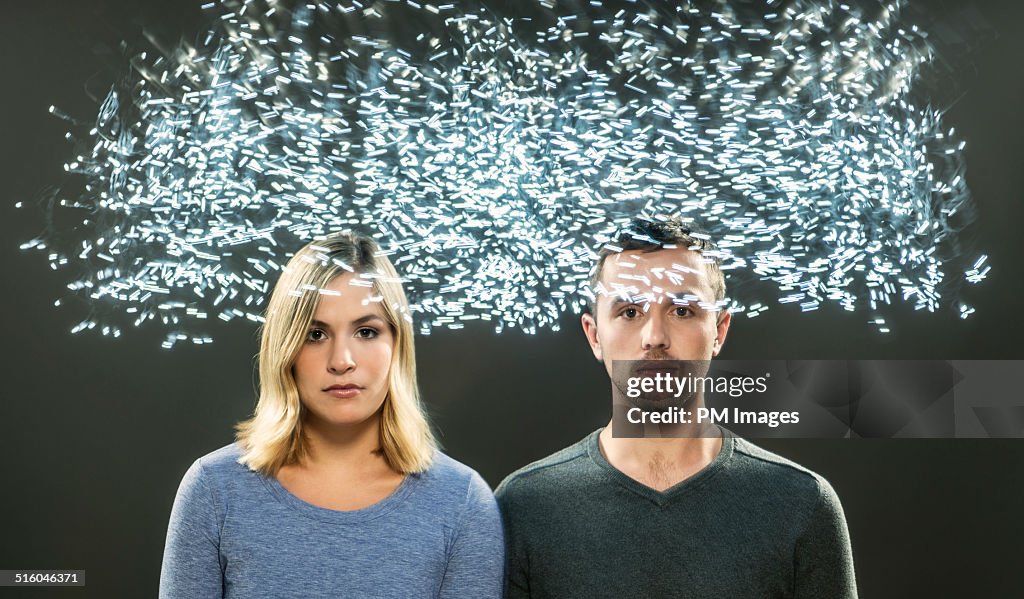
640,269
493,156
361,283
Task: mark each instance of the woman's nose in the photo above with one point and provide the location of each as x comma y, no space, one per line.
340,360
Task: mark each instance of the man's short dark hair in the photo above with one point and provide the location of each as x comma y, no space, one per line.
649,235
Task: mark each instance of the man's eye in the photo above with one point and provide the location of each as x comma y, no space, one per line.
630,312
683,311
316,335
367,333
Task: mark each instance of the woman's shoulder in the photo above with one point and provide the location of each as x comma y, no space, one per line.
448,469
453,479
220,467
453,494
224,458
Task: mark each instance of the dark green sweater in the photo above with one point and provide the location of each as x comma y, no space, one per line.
750,524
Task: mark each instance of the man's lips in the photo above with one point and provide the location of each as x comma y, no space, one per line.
655,366
653,371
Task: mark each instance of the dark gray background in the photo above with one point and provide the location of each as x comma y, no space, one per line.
96,433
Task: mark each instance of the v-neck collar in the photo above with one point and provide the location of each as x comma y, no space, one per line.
662,498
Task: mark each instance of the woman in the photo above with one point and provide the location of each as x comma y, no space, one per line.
334,488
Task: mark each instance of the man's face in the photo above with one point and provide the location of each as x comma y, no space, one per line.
655,306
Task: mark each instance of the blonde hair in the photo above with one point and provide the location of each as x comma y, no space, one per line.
273,437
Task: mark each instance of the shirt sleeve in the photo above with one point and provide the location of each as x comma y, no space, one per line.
517,579
191,565
824,559
476,561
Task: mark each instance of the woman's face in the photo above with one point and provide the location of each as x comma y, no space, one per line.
342,369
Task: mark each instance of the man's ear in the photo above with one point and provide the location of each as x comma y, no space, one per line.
590,330
724,320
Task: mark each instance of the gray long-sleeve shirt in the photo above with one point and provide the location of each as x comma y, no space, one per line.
236,533
749,525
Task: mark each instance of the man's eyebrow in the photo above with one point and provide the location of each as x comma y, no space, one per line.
676,294
682,293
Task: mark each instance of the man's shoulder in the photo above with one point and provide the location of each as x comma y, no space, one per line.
547,474
779,476
758,457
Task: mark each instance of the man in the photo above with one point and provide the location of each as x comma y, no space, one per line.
699,515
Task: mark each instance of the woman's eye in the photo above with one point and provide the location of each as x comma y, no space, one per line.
316,335
366,333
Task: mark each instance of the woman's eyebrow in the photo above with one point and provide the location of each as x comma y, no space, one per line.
366,319
359,321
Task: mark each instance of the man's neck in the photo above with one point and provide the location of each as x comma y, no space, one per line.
659,463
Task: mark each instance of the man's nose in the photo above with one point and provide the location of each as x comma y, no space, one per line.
340,360
655,336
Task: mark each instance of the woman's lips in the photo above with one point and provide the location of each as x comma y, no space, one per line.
344,391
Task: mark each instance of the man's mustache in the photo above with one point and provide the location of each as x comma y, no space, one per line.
657,355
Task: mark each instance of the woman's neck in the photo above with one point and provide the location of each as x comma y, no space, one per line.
354,448
344,470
